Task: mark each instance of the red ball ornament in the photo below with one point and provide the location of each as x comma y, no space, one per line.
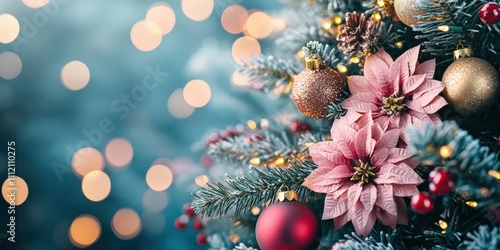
442,182
198,224
288,225
490,13
422,203
181,222
188,210
201,239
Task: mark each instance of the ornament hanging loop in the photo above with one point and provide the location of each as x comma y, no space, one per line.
313,63
286,194
462,52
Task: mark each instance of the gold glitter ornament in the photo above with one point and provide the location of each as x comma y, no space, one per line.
472,84
407,12
315,88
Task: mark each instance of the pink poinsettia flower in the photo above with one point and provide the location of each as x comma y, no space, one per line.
397,93
363,175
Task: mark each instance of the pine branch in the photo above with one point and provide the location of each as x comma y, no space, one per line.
292,40
485,238
355,242
329,55
475,167
266,73
335,110
242,193
264,147
242,246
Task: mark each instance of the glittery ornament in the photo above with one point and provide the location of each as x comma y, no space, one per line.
316,87
472,84
407,11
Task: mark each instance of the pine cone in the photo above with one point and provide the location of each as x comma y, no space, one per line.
357,35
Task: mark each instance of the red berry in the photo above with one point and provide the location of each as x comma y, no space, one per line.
297,126
188,210
490,13
198,224
422,203
498,141
442,182
212,139
181,222
207,161
201,239
253,138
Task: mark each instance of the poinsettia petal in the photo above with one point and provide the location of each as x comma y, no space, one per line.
386,218
403,68
346,149
341,171
396,155
333,208
403,190
353,194
397,174
427,97
428,68
426,87
436,104
385,199
359,84
402,211
324,154
316,176
368,198
388,140
360,219
377,131
341,192
413,83
341,221
379,156
361,142
376,68
359,106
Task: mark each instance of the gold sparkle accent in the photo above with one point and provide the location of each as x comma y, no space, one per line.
494,174
364,173
443,224
394,104
445,151
472,204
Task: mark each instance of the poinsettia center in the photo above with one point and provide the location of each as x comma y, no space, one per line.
393,104
363,173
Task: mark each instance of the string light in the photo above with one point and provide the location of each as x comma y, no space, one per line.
445,151
442,224
453,29
252,124
342,68
472,204
337,20
399,44
264,123
494,174
327,25
256,211
280,161
377,17
354,60
255,161
234,238
381,3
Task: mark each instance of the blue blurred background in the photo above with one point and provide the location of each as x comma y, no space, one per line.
135,111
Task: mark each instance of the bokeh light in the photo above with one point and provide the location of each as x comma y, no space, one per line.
201,180
15,189
197,10
233,19
239,79
10,65
9,30
154,201
35,3
177,105
245,47
84,231
96,185
197,93
126,224
86,160
75,75
259,25
279,24
119,152
163,16
159,177
146,35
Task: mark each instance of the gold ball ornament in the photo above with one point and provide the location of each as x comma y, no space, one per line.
472,84
407,12
315,88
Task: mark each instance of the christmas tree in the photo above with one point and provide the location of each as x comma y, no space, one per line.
388,137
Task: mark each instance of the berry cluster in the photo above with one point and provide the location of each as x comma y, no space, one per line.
183,220
441,183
